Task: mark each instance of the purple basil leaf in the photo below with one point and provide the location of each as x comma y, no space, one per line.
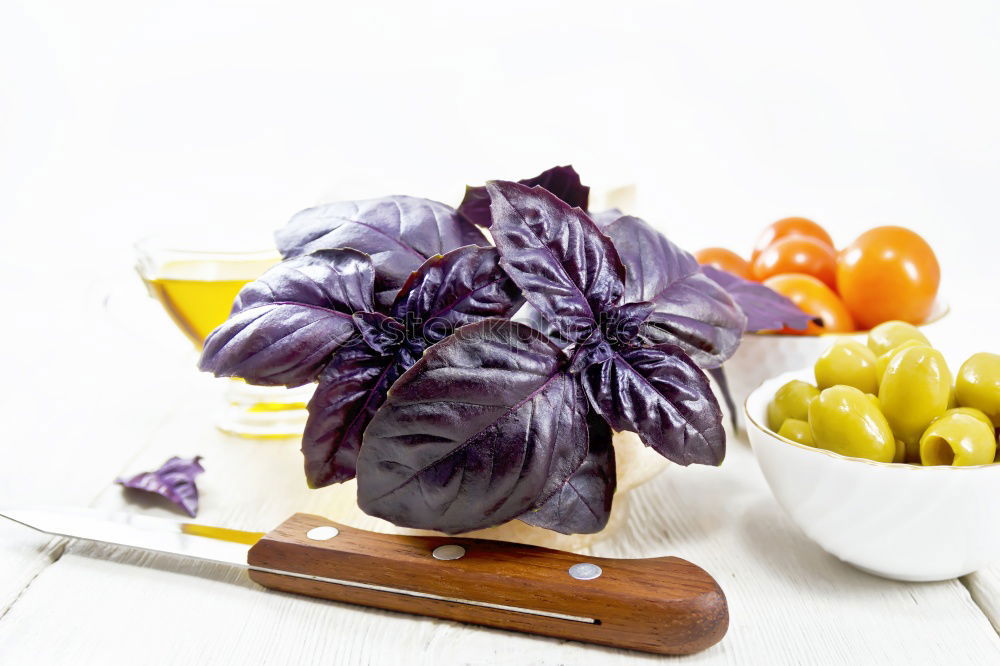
662,396
765,309
174,480
381,333
399,233
459,288
565,266
286,324
340,280
562,181
351,389
693,312
583,504
483,427
621,325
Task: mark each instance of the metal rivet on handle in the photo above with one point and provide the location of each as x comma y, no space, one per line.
585,571
449,552
324,533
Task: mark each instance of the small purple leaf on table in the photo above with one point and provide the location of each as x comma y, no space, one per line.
175,480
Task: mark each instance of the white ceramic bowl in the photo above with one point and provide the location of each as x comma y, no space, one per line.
763,355
898,521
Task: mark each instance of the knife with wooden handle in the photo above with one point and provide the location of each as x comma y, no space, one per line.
663,605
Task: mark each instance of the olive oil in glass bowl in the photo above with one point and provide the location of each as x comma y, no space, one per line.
196,279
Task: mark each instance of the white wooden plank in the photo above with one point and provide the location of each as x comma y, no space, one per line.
81,396
24,555
984,586
790,602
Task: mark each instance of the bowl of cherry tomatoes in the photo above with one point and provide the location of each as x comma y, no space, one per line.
887,273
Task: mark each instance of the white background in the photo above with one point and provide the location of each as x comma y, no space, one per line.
124,117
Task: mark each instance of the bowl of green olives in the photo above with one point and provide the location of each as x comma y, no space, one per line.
764,355
884,457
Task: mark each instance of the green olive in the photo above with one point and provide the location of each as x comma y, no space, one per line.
883,361
890,334
797,431
968,411
844,421
958,439
791,401
913,393
978,385
874,400
900,456
849,363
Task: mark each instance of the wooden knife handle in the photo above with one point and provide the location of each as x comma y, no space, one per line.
664,605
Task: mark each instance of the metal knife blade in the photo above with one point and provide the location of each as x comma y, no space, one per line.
157,535
201,542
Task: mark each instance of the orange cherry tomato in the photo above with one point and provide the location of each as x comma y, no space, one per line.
798,254
789,226
724,260
815,298
888,273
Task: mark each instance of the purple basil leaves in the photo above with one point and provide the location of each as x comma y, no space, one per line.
582,505
660,394
692,311
571,273
567,269
399,233
562,181
484,427
286,325
175,480
453,416
461,287
765,309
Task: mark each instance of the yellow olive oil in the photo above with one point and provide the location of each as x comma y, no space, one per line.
196,306
198,294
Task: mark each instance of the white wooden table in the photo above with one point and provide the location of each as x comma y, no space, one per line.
92,403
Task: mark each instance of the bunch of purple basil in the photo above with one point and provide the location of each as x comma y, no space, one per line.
466,383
